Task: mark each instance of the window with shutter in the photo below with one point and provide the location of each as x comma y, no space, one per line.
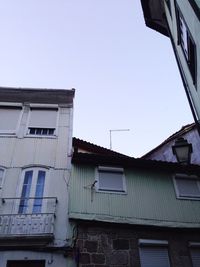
9,119
42,122
154,254
187,188
154,257
111,179
195,255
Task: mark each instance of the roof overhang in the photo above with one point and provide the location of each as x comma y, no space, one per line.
87,147
154,15
36,95
95,159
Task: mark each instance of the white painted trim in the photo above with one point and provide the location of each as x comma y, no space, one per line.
40,136
39,166
57,122
10,104
152,242
45,106
19,121
3,178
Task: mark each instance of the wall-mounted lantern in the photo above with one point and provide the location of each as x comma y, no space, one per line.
182,150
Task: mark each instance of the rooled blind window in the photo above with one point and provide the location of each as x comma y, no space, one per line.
195,255
187,187
187,44
111,179
154,254
154,257
42,121
9,118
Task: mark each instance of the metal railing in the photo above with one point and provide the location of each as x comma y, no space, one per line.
27,216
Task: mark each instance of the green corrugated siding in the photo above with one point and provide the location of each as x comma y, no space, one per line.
150,198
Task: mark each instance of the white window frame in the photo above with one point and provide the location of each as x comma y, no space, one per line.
187,177
187,44
35,170
110,169
13,131
3,177
184,36
45,107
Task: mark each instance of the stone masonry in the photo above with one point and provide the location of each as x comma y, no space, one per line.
107,244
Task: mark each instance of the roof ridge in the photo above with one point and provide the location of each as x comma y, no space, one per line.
184,129
75,139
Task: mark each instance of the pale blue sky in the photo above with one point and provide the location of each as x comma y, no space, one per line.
124,73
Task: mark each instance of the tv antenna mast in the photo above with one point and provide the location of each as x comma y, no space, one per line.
116,130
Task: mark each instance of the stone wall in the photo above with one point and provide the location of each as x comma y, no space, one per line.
104,244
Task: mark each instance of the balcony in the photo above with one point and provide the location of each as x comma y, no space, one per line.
27,218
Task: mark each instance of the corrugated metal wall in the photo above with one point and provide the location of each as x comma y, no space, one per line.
150,199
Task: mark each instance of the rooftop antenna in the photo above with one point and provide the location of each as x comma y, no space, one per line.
116,130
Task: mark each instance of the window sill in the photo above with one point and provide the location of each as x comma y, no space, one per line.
111,192
41,136
8,134
188,198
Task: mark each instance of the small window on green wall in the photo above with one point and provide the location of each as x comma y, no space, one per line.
110,179
187,187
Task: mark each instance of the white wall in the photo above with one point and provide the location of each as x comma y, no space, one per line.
20,151
193,24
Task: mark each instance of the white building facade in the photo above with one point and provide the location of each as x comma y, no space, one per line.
35,156
180,21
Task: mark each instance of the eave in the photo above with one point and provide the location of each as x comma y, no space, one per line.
140,222
184,130
154,15
36,95
95,159
79,144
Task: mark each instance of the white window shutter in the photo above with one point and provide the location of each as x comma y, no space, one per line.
43,118
9,118
111,181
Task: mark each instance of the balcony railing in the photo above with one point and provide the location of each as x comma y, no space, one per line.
27,217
